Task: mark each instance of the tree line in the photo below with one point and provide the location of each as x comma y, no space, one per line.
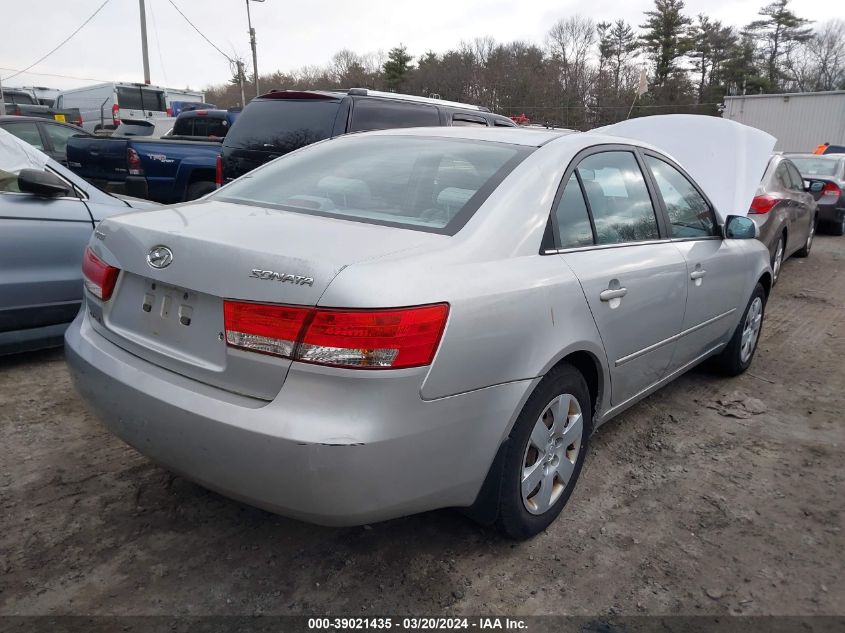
589,73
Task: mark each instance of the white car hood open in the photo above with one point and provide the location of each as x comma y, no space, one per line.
726,159
20,155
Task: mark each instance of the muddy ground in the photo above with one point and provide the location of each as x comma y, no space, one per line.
679,510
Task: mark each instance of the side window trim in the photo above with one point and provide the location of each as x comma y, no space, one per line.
587,204
657,203
658,197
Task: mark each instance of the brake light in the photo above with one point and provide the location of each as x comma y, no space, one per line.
115,114
133,162
169,111
99,277
356,339
260,327
763,204
218,171
78,120
831,189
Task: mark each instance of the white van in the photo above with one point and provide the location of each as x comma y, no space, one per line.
104,105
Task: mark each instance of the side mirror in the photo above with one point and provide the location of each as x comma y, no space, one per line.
42,183
739,227
813,186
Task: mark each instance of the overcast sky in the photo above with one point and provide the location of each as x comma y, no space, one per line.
290,33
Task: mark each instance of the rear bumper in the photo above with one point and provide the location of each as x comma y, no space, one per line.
831,214
330,449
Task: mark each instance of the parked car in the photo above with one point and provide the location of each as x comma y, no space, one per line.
47,215
785,213
103,106
48,136
397,321
284,120
24,103
825,176
164,160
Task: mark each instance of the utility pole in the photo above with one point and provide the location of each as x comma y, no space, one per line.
240,65
252,43
144,43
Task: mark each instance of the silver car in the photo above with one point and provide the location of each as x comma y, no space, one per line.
47,215
397,321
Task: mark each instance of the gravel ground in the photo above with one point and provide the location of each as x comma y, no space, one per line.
680,508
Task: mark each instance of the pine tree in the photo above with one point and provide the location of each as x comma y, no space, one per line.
397,67
776,34
664,38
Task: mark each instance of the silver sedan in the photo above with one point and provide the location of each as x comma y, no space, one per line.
397,321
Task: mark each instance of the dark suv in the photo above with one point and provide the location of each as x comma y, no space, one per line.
281,121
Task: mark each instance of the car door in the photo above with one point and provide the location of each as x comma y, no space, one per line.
715,271
804,205
41,244
634,280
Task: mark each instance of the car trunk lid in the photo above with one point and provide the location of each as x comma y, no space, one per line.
173,315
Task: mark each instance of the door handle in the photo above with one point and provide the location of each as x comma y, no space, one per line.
613,293
697,274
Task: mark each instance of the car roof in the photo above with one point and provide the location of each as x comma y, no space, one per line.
366,92
530,137
809,155
12,118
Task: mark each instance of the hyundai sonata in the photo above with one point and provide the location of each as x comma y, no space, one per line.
397,321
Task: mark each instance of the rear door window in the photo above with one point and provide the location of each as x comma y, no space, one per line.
688,211
573,220
137,98
618,197
383,114
795,177
283,125
26,131
468,120
58,135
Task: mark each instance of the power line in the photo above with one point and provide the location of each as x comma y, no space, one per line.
231,61
158,43
54,75
62,43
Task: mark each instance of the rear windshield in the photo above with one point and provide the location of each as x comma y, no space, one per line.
134,128
137,98
429,184
19,98
815,166
283,125
213,126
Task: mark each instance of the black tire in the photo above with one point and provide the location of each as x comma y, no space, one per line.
199,189
808,245
513,518
777,266
730,362
837,229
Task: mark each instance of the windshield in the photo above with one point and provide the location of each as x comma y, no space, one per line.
283,125
815,166
134,128
431,184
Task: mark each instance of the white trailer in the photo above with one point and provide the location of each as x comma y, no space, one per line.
800,121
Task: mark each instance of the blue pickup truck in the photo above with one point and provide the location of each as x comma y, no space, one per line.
178,165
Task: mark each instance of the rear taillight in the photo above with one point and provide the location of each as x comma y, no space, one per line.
99,277
260,327
831,189
78,121
133,163
763,204
169,111
218,171
360,339
115,114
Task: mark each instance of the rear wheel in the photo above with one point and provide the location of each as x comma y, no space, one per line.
777,259
737,356
805,250
545,453
199,189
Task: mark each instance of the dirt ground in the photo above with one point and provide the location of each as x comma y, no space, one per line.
680,509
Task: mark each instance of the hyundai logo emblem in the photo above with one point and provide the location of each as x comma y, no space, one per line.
159,257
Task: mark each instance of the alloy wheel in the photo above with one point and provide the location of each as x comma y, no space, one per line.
751,329
549,460
778,260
